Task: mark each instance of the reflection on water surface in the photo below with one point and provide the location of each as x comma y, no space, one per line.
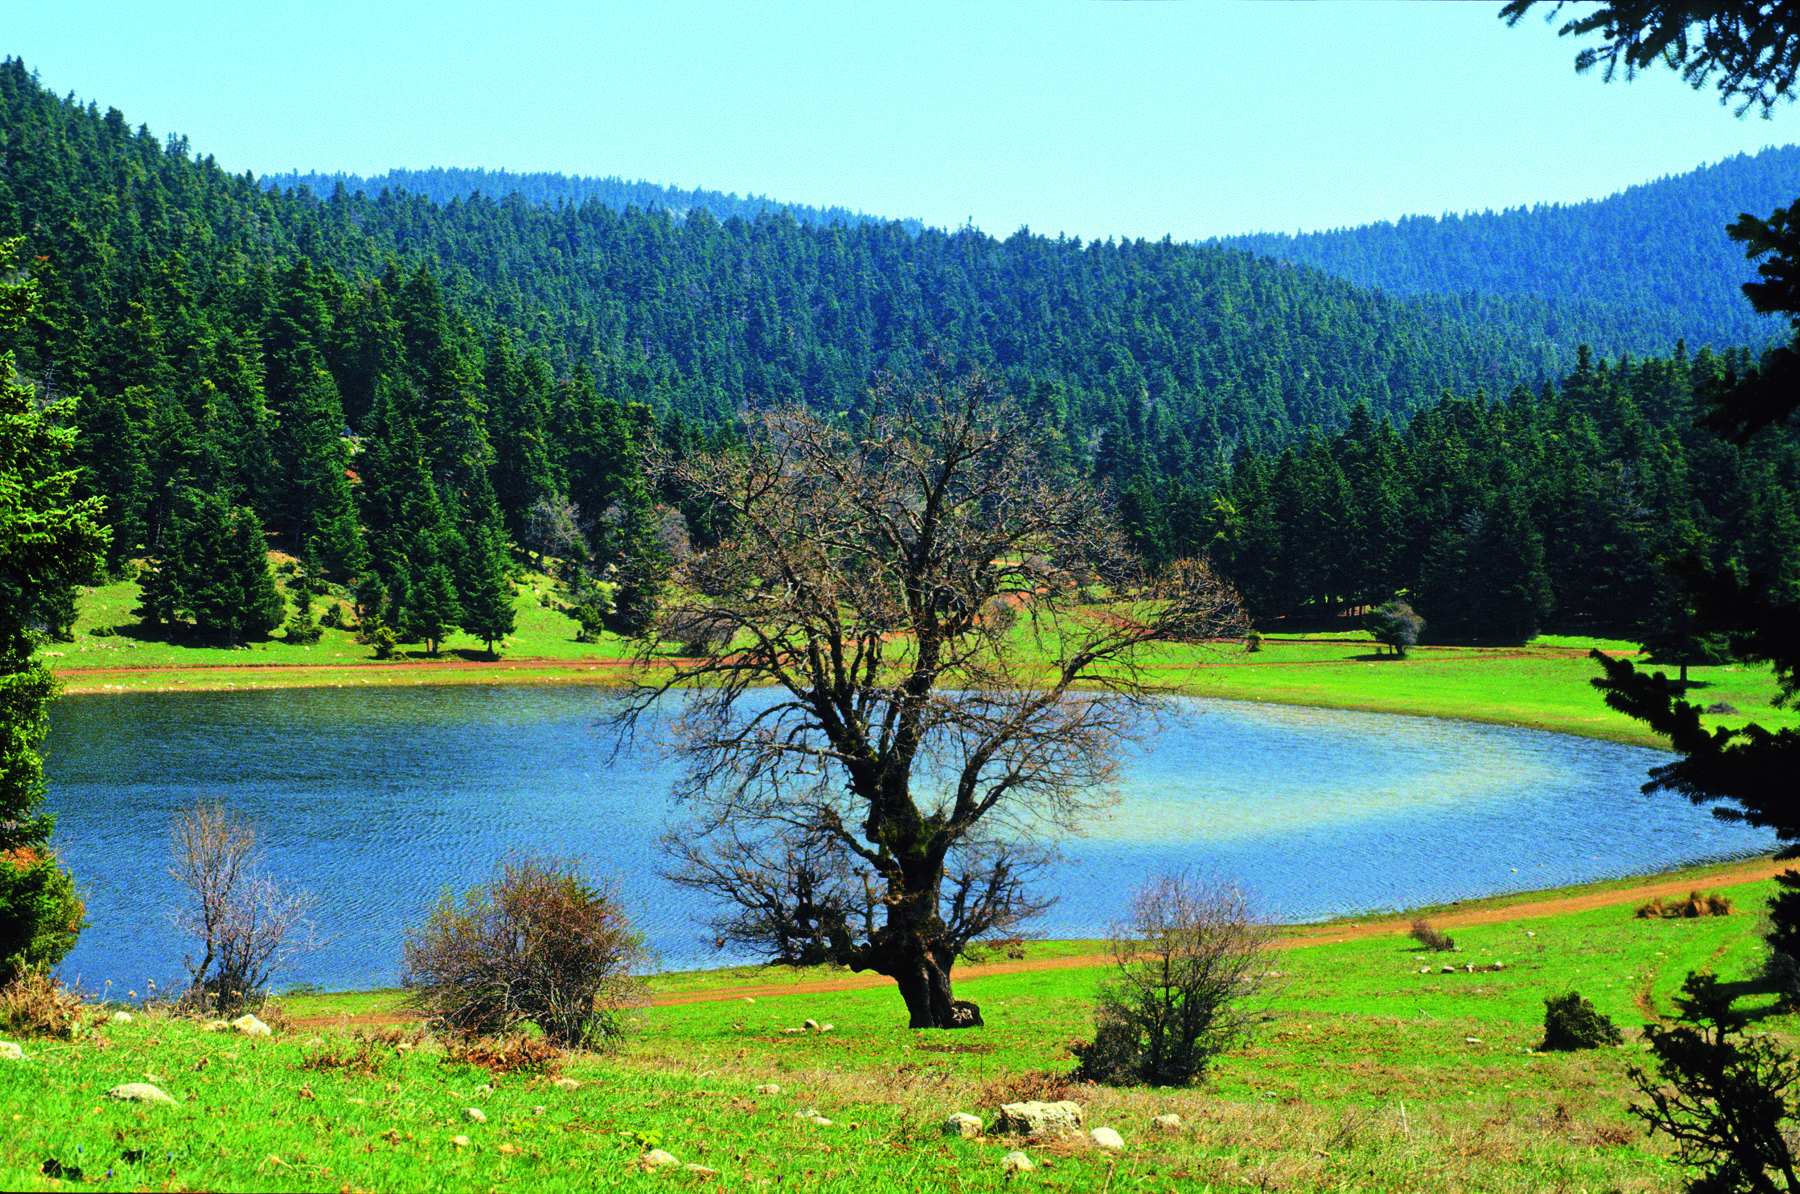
381,799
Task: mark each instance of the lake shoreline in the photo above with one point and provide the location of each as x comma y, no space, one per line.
1203,681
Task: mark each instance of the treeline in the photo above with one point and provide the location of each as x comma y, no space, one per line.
398,394
1651,263
442,185
1553,509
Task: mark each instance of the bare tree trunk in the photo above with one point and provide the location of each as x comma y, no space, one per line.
926,987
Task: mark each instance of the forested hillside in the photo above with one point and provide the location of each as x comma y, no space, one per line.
441,185
1648,265
405,395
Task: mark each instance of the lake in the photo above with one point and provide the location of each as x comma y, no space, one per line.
380,799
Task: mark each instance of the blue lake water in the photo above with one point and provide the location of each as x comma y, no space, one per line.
379,800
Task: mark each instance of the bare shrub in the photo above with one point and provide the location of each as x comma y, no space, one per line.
1040,1086
247,927
539,944
35,1004
1188,964
1428,935
365,1052
521,1053
1697,904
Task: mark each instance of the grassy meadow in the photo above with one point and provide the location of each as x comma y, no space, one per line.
1542,685
1374,1070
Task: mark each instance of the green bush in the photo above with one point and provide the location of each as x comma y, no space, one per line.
1571,1022
41,914
538,944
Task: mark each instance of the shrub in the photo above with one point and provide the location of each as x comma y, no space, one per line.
521,1053
538,944
1426,934
1697,904
247,927
1721,1096
40,913
1394,625
1571,1022
1186,965
35,1004
375,633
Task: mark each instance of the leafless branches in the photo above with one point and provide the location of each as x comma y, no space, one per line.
919,653
247,927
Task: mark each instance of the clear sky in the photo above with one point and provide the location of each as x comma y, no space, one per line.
1094,119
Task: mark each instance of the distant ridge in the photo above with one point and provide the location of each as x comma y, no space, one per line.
1658,249
441,185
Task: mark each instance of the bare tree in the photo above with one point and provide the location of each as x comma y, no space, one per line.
925,653
1188,964
247,927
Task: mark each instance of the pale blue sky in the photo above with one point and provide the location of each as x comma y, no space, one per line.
1095,119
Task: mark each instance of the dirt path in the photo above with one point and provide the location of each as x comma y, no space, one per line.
1324,935
1394,926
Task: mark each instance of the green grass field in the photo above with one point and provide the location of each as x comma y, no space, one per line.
1374,1071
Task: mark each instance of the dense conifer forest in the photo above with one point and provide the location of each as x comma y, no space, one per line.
407,394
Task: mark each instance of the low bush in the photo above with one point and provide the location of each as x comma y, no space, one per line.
1696,904
538,944
1187,965
36,1004
1430,937
521,1053
1571,1022
365,1052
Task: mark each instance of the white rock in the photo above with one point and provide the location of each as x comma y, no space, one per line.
11,1052
1167,1123
538,1109
811,1026
250,1026
1106,1138
1039,1119
486,1088
567,1084
962,1124
656,1158
218,1026
827,1027
1499,965
700,1171
475,1115
1016,1162
768,1088
121,1017
460,1141
1471,1040
139,1092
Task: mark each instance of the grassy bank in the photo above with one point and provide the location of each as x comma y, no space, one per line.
1375,1071
1544,685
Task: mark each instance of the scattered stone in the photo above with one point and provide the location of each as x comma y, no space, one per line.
538,1109
1016,1162
656,1158
139,1092
1167,1123
1446,970
965,1013
1424,970
510,1150
249,1025
11,1052
811,1115
1529,933
1106,1138
749,999
811,1026
475,1115
486,1088
306,1092
1499,965
121,1017
700,1171
358,1102
827,1027
567,1084
1039,1119
962,1124
768,1088
460,1141
1471,1040
222,1026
